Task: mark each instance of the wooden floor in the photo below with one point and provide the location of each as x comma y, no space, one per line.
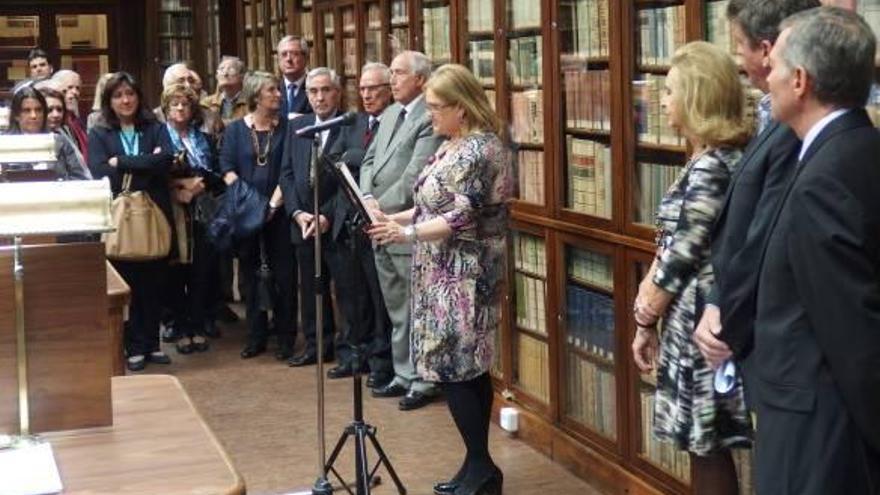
264,414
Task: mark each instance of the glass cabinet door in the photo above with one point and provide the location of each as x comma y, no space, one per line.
399,37
532,358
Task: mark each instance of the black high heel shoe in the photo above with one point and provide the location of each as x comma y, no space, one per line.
449,487
489,485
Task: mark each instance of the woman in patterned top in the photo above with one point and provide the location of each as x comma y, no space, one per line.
704,100
458,225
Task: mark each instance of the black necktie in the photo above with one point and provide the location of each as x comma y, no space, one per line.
371,131
400,119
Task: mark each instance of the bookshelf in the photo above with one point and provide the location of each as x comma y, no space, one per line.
175,32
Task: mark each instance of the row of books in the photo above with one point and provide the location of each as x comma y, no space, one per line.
531,307
172,50
524,61
590,321
591,268
175,25
662,454
373,45
661,32
436,34
305,26
529,254
348,24
527,115
533,367
584,28
652,124
482,60
590,396
524,14
587,99
480,16
349,56
653,180
530,164
399,39
398,12
718,27
374,16
589,177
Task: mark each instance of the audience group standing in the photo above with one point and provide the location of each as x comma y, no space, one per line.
764,283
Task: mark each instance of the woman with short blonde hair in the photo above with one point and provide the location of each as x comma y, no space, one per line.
178,90
254,82
703,99
455,83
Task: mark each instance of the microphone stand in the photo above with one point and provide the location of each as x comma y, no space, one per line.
322,485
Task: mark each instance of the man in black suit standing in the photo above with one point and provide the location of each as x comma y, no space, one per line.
753,196
816,360
297,178
292,55
373,334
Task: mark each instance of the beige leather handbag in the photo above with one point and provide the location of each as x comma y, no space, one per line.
142,231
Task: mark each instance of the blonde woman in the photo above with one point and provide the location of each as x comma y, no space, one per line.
95,115
704,100
458,228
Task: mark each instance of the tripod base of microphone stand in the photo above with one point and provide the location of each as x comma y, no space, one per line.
322,487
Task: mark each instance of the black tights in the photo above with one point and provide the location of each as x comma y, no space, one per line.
470,403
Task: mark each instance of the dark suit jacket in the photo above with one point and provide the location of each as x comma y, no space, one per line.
300,102
752,198
149,170
816,359
295,171
351,138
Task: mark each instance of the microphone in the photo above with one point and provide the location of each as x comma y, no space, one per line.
345,119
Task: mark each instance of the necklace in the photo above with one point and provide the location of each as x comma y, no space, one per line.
262,156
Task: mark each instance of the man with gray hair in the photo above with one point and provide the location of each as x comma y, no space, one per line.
68,82
816,355
292,54
228,101
403,144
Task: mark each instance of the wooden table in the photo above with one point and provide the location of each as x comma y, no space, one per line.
158,444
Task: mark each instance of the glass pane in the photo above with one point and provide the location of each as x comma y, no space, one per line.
480,16
173,50
652,127
90,68
329,40
661,454
659,31
348,24
373,47
530,282
481,41
212,48
90,31
399,12
531,176
435,26
261,52
481,56
351,94
12,71
588,177
533,367
261,13
652,182
523,15
718,27
399,39
19,31
305,26
349,45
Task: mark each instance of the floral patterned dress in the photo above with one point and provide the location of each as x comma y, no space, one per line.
456,281
687,410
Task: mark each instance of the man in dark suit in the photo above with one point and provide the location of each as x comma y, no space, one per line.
754,192
816,357
373,336
292,55
297,179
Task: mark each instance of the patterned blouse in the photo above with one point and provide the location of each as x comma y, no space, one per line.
456,281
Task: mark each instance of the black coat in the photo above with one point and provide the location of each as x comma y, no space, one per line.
753,196
816,360
295,172
350,141
149,170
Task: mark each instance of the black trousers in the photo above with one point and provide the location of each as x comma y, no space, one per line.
279,252
346,257
146,279
377,335
305,256
192,287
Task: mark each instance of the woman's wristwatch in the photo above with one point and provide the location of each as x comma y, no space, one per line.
410,233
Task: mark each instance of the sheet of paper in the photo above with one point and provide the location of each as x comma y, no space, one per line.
29,470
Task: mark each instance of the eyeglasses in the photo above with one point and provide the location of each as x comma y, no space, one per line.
436,107
374,88
227,72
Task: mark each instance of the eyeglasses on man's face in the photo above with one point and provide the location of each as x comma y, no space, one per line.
374,88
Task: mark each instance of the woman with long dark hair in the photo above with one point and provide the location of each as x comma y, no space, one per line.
128,140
